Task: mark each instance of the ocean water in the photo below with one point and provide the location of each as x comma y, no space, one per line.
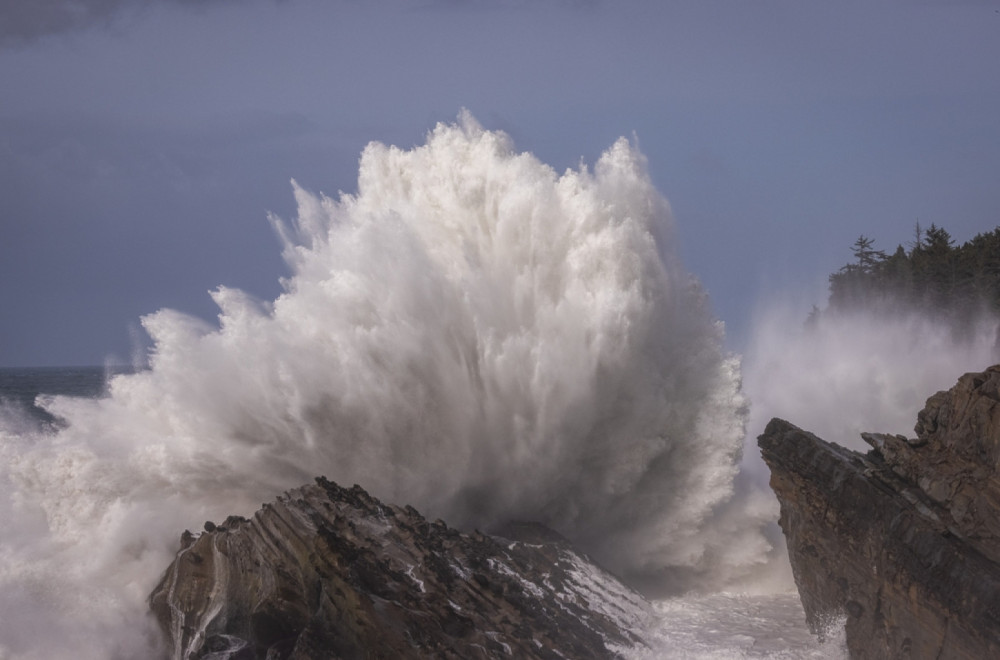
21,387
738,626
471,333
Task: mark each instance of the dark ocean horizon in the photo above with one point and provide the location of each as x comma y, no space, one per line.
20,387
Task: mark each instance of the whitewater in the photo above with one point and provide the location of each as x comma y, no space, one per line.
481,337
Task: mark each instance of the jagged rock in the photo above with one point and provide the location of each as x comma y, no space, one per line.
326,572
955,456
901,542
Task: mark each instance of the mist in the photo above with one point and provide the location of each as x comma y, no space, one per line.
857,370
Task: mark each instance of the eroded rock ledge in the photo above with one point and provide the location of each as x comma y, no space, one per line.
326,572
903,541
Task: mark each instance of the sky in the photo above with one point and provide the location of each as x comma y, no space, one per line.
144,142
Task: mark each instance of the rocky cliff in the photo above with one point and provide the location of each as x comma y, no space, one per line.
903,542
326,572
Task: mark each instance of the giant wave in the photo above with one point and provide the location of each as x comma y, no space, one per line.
470,332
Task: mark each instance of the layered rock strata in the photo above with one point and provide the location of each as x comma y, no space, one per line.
901,542
326,572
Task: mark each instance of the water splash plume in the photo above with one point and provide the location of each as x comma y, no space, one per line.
470,333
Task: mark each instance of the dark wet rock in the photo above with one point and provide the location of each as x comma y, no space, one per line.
902,542
328,572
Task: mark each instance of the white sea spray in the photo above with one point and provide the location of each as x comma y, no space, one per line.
471,333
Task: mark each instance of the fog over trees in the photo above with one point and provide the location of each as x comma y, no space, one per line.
929,275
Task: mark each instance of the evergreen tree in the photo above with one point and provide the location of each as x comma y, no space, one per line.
851,284
867,257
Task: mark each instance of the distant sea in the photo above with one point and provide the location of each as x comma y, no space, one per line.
21,386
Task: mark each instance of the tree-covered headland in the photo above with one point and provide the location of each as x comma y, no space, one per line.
933,277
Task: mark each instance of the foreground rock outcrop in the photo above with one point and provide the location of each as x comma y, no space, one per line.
326,572
904,541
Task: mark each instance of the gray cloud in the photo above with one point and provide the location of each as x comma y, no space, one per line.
21,22
24,21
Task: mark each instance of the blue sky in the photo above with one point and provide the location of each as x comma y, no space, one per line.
142,143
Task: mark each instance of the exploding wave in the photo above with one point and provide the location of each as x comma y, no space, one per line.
470,333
